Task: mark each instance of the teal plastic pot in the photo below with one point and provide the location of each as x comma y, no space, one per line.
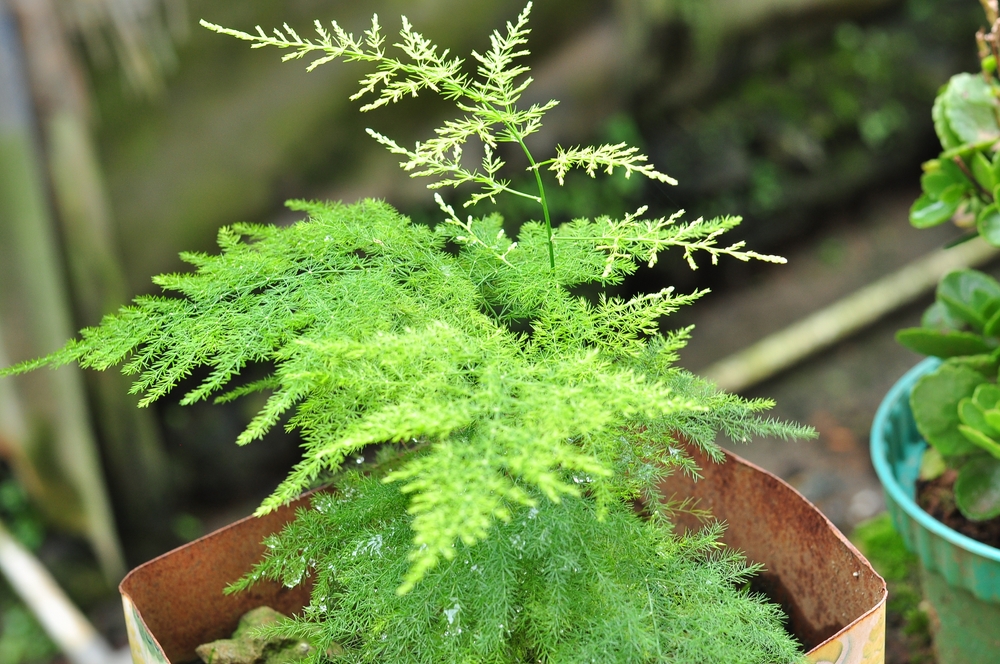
961,577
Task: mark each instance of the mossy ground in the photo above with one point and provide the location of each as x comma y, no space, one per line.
908,638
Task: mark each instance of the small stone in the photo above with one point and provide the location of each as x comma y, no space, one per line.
244,648
230,651
259,617
289,653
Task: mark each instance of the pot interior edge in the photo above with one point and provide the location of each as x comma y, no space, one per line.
822,581
178,597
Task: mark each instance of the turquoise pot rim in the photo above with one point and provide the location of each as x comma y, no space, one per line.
880,459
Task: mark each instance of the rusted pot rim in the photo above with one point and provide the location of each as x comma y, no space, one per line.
879,606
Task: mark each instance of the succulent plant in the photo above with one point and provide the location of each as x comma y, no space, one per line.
957,406
964,181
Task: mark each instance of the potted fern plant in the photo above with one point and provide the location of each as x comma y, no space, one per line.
935,437
528,439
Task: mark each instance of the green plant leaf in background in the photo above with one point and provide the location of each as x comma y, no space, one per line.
941,344
969,108
971,296
947,137
935,400
937,317
977,490
988,223
928,211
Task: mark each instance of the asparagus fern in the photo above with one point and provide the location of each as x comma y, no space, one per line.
510,410
554,584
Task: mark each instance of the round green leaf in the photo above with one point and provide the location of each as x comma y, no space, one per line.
947,137
955,192
985,364
986,396
937,317
980,440
927,212
942,344
932,464
992,417
944,174
988,224
969,106
977,489
970,295
973,416
934,401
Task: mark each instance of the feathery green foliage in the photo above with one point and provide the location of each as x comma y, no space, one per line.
378,335
496,392
549,586
491,116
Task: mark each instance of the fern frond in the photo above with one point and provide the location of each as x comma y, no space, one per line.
376,335
633,238
496,67
606,158
550,585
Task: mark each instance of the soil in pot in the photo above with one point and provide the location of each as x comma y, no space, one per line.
937,498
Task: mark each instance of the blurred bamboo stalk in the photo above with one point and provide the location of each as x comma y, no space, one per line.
34,314
829,325
132,447
68,628
138,34
13,428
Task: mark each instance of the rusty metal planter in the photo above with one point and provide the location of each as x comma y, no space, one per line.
835,600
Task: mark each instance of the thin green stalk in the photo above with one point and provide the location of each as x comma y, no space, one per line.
538,181
541,195
508,190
